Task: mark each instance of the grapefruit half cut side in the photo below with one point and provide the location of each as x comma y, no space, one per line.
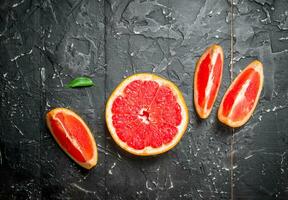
207,80
242,96
73,136
146,114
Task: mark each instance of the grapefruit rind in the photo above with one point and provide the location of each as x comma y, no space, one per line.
258,67
147,151
216,49
89,163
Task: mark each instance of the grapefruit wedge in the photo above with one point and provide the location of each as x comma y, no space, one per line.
207,80
73,136
146,115
242,96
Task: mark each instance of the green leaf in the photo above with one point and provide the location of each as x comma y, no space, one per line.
80,82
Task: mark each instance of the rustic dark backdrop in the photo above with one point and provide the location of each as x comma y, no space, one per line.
44,43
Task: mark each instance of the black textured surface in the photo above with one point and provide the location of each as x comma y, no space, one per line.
45,43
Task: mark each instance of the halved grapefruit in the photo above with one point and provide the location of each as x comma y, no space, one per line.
73,136
146,114
207,79
242,96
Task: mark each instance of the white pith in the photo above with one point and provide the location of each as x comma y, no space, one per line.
211,78
144,119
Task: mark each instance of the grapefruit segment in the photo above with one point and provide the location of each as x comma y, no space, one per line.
207,80
242,96
146,114
73,136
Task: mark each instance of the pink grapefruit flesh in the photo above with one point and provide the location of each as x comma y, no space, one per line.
146,114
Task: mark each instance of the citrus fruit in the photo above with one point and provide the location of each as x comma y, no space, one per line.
146,114
207,80
73,136
242,96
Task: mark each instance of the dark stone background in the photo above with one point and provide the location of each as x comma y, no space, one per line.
44,43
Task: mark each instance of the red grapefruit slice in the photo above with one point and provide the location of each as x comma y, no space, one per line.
207,80
146,114
73,136
242,96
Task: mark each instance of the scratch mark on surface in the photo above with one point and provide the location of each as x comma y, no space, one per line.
130,55
90,98
15,126
58,75
274,109
21,55
23,77
75,6
53,12
171,182
108,152
43,76
147,186
17,4
247,157
49,56
83,189
110,170
282,157
199,193
281,163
